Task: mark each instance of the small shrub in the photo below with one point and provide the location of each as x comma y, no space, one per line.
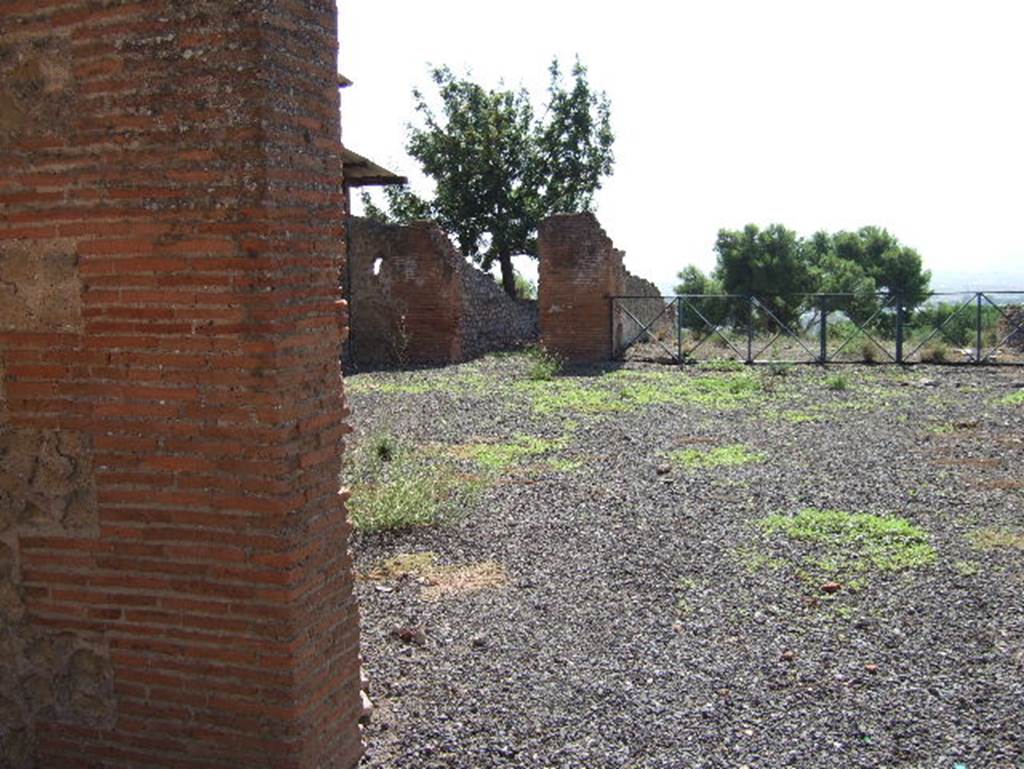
959,324
394,487
935,352
544,366
384,447
837,383
780,369
413,498
525,288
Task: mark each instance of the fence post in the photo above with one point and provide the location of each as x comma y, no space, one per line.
899,328
823,330
679,329
613,341
977,350
750,330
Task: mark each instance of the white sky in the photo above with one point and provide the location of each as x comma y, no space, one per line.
817,114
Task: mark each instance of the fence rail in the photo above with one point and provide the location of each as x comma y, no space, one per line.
968,327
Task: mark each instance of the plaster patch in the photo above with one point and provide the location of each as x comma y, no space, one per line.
40,288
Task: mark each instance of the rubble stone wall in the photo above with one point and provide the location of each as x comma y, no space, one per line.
644,316
1012,327
491,320
175,583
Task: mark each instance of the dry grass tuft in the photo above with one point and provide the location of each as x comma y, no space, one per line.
404,565
981,463
440,582
999,484
992,539
463,580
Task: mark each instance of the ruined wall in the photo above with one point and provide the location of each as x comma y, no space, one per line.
175,585
415,300
644,314
1012,327
491,320
405,296
580,270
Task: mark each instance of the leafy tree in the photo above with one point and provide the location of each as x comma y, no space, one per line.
498,170
769,264
865,263
893,267
699,290
834,275
692,280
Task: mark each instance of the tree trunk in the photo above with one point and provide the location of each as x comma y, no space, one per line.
508,275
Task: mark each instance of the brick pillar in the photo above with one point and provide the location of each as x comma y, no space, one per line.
175,584
580,270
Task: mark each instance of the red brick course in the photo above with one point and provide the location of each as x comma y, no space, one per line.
188,155
580,270
410,310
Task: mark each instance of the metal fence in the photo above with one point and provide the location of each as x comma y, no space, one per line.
972,327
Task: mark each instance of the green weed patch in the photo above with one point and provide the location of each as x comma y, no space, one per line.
1015,399
620,391
501,456
842,545
722,456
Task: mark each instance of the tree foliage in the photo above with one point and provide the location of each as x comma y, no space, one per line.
768,264
780,268
700,307
498,169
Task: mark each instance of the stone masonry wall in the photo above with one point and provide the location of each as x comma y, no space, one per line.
1012,327
175,583
651,312
491,320
415,299
580,270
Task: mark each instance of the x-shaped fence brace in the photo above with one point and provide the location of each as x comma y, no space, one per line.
644,328
716,328
941,329
861,329
1014,328
783,330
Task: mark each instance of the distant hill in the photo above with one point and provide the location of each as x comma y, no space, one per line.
1002,280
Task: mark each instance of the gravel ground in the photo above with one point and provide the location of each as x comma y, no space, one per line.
649,621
